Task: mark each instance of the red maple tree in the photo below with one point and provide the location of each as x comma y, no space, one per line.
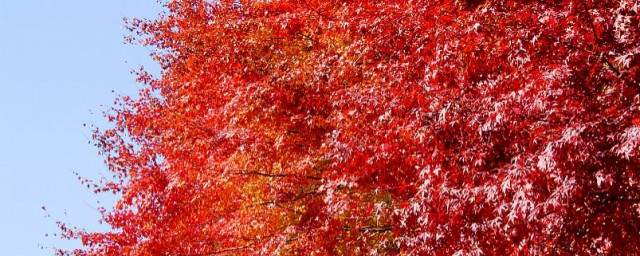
379,127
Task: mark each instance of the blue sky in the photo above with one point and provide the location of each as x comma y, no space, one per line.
59,62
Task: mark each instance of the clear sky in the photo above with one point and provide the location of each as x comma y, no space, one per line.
59,62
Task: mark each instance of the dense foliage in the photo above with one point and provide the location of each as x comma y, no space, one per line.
379,127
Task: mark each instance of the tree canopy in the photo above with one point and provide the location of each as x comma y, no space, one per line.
467,127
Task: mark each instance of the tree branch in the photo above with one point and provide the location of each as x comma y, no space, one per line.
275,175
374,229
221,251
